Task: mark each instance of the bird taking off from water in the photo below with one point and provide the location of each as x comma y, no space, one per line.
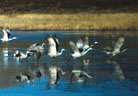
115,48
6,35
37,50
53,46
76,53
83,44
81,47
20,55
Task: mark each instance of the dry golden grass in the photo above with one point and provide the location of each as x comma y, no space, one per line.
78,21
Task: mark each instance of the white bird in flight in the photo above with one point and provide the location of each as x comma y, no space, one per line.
115,48
53,46
6,35
76,53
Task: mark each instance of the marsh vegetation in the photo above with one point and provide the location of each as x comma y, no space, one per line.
69,15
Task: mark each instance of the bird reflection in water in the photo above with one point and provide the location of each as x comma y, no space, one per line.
117,70
5,56
54,74
86,66
86,62
24,77
37,71
79,76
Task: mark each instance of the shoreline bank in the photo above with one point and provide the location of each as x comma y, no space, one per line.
78,21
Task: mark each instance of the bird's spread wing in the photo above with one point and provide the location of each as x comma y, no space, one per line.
118,43
22,54
32,47
112,42
52,45
86,41
56,41
6,34
107,48
79,43
73,47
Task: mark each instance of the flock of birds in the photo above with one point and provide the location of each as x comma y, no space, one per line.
79,49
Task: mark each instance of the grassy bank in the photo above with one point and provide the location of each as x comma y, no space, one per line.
78,21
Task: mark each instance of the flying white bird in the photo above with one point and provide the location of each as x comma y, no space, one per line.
20,55
6,35
83,43
115,48
37,50
76,53
53,46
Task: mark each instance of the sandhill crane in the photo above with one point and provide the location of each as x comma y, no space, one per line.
115,48
20,55
76,53
53,46
6,35
37,50
83,43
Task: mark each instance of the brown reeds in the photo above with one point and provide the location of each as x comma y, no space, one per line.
78,21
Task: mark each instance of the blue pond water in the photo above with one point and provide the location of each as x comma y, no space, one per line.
112,76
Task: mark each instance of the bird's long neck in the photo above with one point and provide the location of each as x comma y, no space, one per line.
60,52
124,50
43,44
93,44
26,55
83,53
12,38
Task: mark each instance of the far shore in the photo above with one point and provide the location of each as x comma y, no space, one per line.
78,21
